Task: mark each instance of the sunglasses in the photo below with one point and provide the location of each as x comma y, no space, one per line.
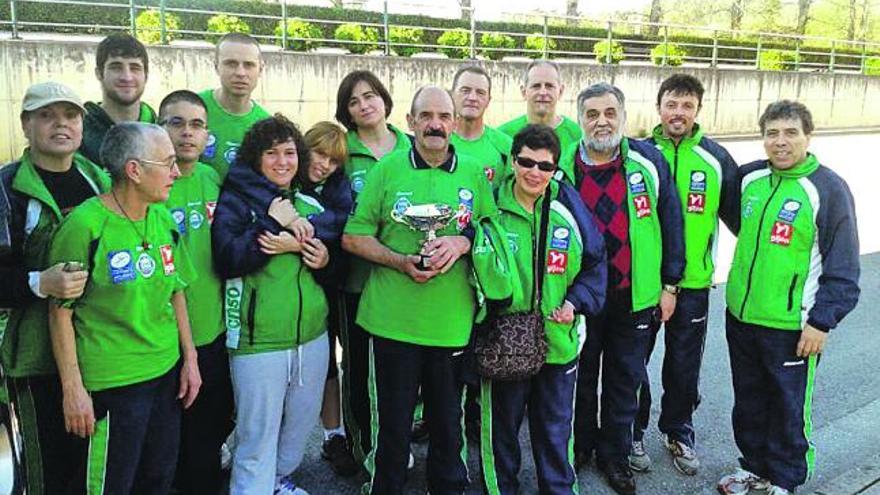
529,163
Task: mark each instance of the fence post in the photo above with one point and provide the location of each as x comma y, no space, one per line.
665,44
14,19
386,28
714,49
132,18
283,24
546,37
864,70
610,40
797,55
833,56
473,34
758,54
163,29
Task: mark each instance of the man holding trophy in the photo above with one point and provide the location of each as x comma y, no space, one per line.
413,220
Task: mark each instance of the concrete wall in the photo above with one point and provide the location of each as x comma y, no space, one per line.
303,86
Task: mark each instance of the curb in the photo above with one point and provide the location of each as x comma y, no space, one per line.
863,479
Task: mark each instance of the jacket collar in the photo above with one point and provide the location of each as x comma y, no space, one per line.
686,142
419,163
28,181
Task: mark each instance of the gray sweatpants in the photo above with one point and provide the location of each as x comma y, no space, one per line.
278,398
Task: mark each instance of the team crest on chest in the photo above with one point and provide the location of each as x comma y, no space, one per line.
639,191
146,265
696,198
783,228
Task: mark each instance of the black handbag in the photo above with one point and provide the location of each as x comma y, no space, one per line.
512,346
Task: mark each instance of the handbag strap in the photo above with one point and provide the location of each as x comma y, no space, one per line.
538,279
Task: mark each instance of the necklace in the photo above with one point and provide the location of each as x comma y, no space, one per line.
144,244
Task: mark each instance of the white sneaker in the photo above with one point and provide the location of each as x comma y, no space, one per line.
740,482
639,460
777,490
286,486
684,458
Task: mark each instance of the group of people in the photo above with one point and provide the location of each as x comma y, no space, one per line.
180,275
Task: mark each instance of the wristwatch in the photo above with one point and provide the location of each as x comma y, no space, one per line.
672,289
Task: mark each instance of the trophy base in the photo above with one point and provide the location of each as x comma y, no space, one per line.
424,263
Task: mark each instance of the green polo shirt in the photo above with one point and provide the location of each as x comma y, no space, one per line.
225,132
441,311
491,150
126,329
191,203
568,131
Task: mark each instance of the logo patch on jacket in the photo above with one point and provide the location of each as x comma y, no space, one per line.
465,207
639,191
121,265
696,198
167,258
210,146
556,261
490,172
698,181
210,206
781,233
560,240
637,183
789,210
179,215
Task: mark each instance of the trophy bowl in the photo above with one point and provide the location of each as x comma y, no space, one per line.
428,219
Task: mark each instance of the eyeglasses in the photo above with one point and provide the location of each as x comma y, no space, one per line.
529,163
180,123
170,163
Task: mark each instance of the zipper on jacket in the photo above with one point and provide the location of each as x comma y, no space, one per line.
252,310
742,307
708,253
299,304
675,163
791,291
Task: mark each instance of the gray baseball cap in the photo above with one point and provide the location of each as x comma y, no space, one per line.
41,94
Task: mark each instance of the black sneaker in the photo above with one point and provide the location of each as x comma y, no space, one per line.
336,451
619,476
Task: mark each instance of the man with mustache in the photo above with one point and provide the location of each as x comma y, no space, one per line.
121,67
42,187
418,308
542,89
627,187
191,202
705,176
472,93
239,63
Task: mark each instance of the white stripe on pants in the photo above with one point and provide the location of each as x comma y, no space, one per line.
275,414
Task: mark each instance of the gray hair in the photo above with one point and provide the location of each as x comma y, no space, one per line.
596,90
537,63
124,142
788,110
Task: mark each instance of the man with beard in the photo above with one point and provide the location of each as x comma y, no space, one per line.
418,308
472,93
542,89
231,111
121,66
627,187
705,175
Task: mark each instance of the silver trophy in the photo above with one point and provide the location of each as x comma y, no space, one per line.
426,218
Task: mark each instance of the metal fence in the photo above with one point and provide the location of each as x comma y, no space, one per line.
606,41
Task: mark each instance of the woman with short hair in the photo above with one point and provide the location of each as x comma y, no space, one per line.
276,314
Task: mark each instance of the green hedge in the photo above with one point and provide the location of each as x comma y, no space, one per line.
740,48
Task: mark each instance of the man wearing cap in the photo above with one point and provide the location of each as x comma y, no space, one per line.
121,66
49,180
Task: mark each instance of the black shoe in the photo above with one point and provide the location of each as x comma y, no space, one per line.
619,476
582,460
419,431
335,450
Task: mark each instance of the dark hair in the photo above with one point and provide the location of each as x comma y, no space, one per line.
177,97
265,134
681,85
787,109
473,69
343,94
242,38
121,45
536,137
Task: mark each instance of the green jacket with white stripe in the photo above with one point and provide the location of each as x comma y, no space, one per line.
706,178
797,256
